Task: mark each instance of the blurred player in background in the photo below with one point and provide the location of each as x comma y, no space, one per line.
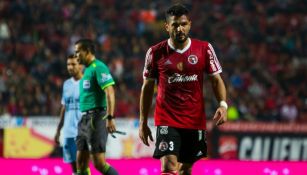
70,113
97,103
178,64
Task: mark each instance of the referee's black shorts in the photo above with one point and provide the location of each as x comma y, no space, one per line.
92,131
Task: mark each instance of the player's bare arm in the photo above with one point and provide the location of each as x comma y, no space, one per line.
220,93
58,131
145,104
110,96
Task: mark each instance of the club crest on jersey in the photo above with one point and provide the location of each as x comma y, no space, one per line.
180,66
192,59
163,146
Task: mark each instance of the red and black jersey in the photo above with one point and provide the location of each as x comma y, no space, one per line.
179,75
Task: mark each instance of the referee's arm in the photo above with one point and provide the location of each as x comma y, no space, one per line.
110,97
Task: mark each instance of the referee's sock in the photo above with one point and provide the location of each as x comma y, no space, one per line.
109,170
86,172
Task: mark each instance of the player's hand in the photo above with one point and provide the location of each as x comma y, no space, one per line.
144,133
220,115
111,125
57,138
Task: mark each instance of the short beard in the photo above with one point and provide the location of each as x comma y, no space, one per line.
181,40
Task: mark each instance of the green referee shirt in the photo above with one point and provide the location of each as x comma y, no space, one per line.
95,79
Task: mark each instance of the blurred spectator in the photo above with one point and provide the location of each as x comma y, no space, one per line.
261,45
288,110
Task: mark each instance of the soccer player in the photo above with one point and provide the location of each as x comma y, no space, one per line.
178,65
97,103
70,114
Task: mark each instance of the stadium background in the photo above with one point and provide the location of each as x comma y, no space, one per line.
261,45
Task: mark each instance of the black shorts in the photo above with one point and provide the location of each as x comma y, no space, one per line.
92,132
187,144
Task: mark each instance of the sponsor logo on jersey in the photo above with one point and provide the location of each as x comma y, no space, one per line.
192,59
213,57
86,84
105,77
178,78
163,146
164,130
148,64
212,65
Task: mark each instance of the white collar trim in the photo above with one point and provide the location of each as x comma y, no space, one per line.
178,50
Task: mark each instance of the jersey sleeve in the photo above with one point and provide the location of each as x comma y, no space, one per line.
149,71
104,77
212,63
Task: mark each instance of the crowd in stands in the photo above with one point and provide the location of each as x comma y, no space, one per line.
260,44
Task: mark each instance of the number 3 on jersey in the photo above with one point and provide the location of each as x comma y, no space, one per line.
171,145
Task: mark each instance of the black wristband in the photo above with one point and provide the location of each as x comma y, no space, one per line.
110,117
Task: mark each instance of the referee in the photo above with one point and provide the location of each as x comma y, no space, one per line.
97,103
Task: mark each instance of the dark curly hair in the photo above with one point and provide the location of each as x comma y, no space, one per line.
176,10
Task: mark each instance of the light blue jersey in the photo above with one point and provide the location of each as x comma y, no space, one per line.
70,99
